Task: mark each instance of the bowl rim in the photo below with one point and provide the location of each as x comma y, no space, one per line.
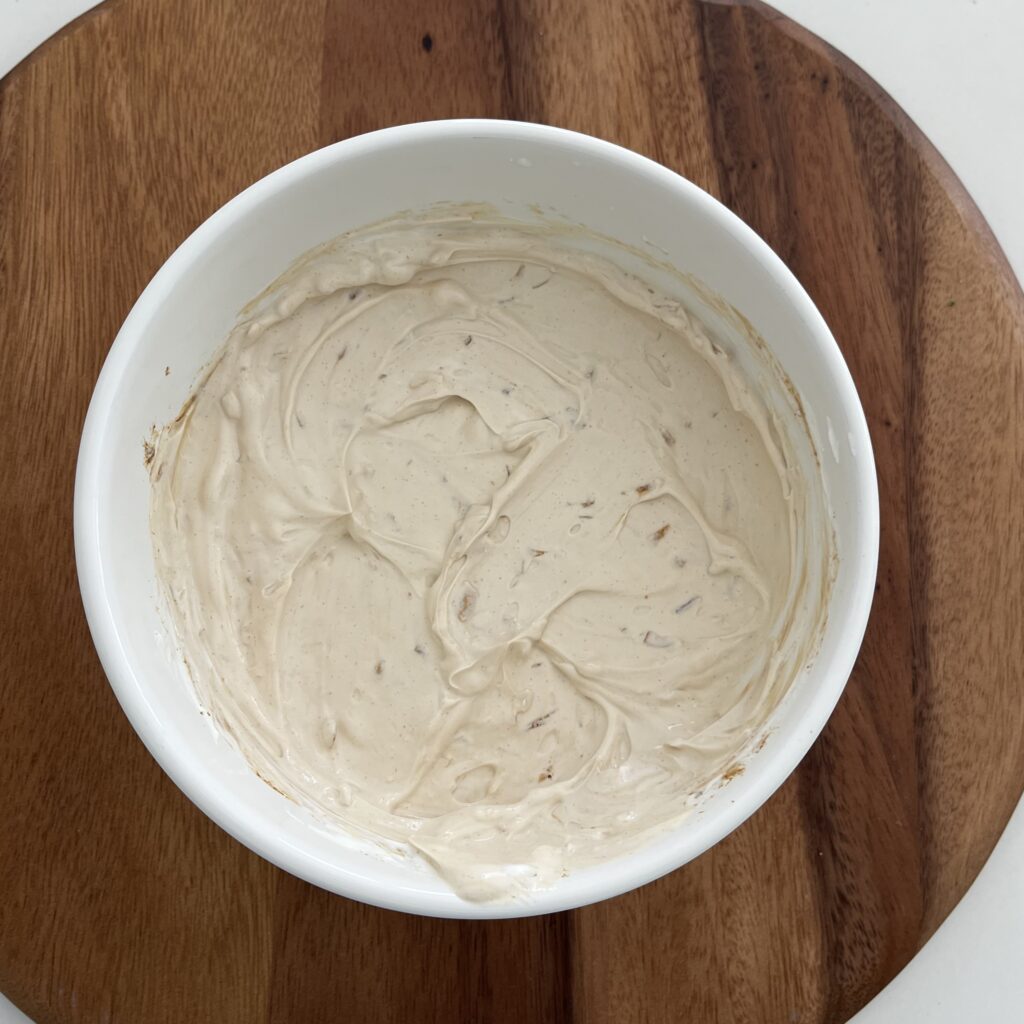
588,885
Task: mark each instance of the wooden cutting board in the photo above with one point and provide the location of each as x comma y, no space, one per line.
121,902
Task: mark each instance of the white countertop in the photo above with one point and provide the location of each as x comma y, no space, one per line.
955,66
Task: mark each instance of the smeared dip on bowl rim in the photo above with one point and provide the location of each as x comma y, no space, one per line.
474,541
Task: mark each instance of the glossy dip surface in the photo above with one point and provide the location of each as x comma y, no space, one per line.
474,542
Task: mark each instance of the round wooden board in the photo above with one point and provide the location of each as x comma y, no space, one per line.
121,902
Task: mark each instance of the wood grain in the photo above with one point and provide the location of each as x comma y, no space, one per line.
120,902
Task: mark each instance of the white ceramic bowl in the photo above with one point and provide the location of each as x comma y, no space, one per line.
187,310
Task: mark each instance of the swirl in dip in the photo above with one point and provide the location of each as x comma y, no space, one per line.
475,542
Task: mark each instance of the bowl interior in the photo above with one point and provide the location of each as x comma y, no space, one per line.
525,171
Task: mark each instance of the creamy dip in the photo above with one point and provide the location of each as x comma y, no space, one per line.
473,541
